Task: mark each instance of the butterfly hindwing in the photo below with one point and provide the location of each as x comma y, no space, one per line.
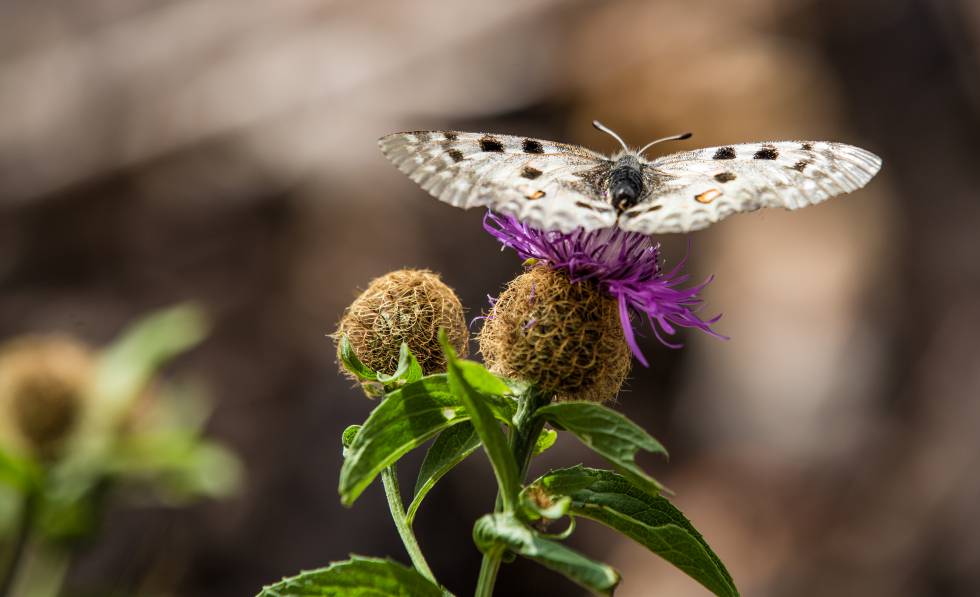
543,183
692,190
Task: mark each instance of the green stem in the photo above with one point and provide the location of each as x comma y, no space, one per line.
42,572
390,480
12,565
488,572
523,435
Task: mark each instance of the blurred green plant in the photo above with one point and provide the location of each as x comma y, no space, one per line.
130,433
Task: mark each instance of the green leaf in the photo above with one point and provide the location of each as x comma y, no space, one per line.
538,505
64,518
648,519
470,383
129,363
349,434
408,369
504,529
610,434
404,420
450,448
546,439
356,577
11,507
176,465
18,471
353,364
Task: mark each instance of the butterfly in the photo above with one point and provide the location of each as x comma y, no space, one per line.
559,186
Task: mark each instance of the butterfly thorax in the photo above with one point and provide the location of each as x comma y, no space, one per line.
625,182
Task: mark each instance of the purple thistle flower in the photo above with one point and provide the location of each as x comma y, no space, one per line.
624,264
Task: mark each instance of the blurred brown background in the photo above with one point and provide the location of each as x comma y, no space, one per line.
224,151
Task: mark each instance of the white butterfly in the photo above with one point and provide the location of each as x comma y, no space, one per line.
557,186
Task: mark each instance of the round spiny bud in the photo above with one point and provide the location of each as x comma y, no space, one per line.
404,306
564,337
43,384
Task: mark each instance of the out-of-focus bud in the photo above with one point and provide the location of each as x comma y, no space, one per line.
44,382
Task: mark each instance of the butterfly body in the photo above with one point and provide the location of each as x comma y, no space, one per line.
559,186
625,185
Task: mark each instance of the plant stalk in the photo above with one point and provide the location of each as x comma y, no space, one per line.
488,572
389,478
16,556
523,436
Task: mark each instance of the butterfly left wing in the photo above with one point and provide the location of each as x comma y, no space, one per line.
542,183
692,190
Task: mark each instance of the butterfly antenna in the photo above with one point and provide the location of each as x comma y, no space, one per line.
680,137
608,130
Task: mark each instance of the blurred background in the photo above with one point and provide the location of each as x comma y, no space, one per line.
224,151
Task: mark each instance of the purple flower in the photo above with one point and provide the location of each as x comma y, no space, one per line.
624,264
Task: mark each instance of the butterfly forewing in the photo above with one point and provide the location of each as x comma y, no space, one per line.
557,186
542,183
692,190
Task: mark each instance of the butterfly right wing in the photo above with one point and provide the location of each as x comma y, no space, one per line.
545,184
694,189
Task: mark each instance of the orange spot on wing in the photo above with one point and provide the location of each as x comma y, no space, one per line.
536,195
707,196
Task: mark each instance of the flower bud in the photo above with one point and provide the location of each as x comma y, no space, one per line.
563,337
404,306
44,381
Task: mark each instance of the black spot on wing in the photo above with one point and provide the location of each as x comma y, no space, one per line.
456,155
724,153
530,172
450,136
801,165
489,143
585,205
532,146
767,152
725,177
807,147
422,136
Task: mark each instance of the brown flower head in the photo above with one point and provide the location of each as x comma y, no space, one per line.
404,306
564,337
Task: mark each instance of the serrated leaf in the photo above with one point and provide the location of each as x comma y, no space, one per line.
404,420
408,369
353,364
482,380
466,380
648,519
451,447
504,529
608,433
357,577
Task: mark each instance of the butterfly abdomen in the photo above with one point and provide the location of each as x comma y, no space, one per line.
625,184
